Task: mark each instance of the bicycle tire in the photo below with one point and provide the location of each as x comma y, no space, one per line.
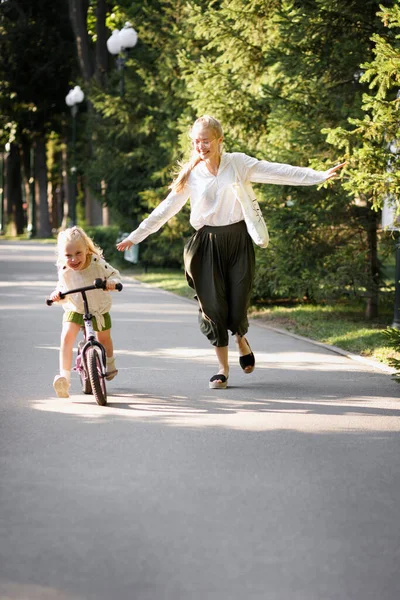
83,375
97,381
85,383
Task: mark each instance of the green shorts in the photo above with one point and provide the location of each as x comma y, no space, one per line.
74,317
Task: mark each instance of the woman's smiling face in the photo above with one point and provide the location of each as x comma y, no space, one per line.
205,142
75,255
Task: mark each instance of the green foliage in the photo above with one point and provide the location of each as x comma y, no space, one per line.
37,61
106,238
134,136
370,146
166,248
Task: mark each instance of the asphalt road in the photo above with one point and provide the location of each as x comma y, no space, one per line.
285,486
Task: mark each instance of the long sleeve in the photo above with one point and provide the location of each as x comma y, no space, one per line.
109,272
262,171
160,215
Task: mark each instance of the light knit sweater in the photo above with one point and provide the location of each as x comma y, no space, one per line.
213,198
99,300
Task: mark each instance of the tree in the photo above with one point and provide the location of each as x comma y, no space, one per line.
370,145
135,135
37,61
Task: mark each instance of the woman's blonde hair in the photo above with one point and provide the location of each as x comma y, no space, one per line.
75,234
186,168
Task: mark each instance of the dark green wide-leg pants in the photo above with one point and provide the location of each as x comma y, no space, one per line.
219,265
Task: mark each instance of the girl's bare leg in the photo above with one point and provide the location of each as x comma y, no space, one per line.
104,337
62,381
69,333
105,340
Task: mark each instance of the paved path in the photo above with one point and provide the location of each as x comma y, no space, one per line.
285,486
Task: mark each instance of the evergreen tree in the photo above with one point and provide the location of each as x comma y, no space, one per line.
277,73
370,143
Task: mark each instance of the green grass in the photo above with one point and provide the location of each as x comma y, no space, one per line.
172,281
341,325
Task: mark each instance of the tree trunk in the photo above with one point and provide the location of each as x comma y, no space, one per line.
102,55
43,226
371,310
78,14
66,191
93,208
15,212
2,193
29,184
78,10
57,191
105,211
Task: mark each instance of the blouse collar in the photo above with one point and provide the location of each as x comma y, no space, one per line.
224,161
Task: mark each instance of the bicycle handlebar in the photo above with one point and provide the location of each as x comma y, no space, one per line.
98,284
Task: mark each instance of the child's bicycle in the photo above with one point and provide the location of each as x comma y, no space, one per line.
91,358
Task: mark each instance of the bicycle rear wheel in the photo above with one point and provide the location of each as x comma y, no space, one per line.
97,380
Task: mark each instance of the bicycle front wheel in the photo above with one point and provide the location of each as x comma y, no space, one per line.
97,380
83,375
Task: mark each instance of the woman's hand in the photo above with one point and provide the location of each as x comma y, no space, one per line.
334,172
110,285
124,245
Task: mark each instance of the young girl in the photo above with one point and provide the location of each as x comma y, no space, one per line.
79,263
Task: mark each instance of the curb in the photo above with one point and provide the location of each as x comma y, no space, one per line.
368,361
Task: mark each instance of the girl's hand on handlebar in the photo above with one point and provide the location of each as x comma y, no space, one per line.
55,296
110,285
124,245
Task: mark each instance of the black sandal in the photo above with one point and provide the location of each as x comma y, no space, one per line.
248,360
218,382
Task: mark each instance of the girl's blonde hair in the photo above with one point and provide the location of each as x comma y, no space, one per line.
75,234
186,168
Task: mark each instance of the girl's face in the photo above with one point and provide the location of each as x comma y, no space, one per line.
75,255
205,142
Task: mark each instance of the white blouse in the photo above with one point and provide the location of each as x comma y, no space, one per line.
213,198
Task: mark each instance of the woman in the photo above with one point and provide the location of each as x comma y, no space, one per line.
219,257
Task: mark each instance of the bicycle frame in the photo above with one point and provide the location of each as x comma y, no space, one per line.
90,337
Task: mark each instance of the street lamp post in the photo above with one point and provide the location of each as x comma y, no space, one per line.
391,222
118,44
73,99
1,193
